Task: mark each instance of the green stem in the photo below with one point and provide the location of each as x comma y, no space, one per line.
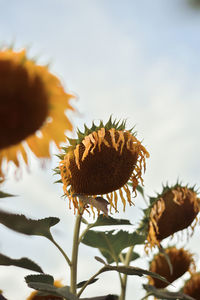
120,278
75,254
124,279
61,250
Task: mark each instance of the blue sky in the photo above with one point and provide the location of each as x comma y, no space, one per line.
134,59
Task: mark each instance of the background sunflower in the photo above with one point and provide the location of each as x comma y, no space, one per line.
33,101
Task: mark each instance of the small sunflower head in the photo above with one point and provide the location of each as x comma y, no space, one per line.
171,211
102,160
181,262
192,286
32,100
34,295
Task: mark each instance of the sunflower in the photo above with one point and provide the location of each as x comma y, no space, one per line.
32,110
181,262
171,211
192,286
34,295
101,161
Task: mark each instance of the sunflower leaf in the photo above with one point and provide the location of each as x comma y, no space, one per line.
102,221
165,294
22,224
42,278
23,262
50,289
129,270
111,243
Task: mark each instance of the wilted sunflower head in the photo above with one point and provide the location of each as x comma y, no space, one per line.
101,161
32,100
37,296
181,262
171,211
192,286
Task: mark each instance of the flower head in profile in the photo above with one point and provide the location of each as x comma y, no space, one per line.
101,161
181,261
32,108
192,286
36,296
173,210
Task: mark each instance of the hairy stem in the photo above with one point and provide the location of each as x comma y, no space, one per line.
75,255
124,278
61,250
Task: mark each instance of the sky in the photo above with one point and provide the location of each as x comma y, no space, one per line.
137,60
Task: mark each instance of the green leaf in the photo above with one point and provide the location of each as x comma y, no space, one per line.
164,294
129,270
27,226
42,278
49,289
4,195
108,256
111,243
103,221
22,263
